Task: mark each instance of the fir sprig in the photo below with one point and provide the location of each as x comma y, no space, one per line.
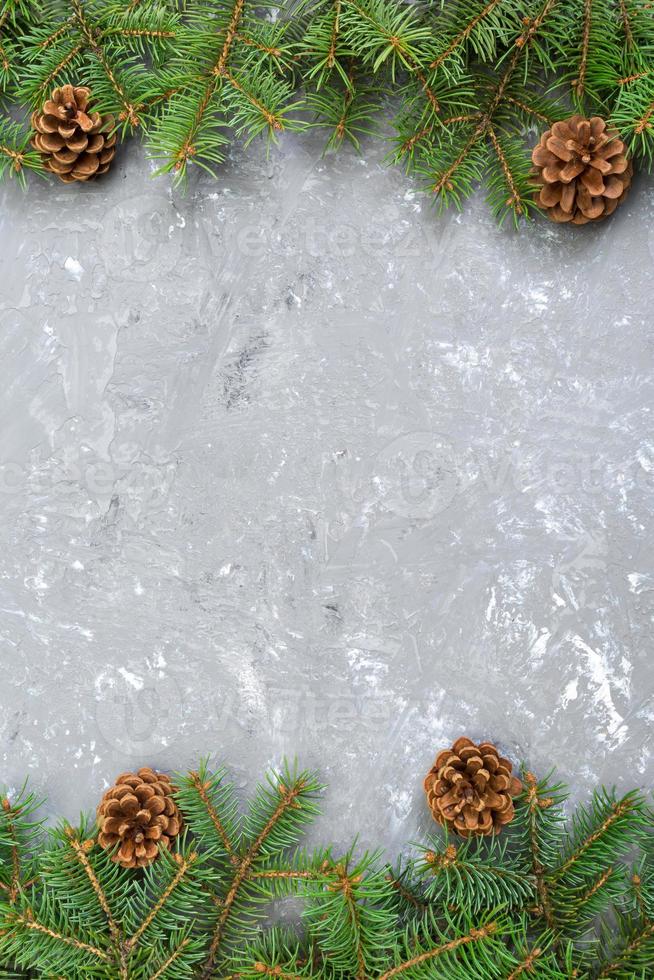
99,45
233,72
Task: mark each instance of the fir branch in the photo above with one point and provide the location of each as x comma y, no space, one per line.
622,965
333,39
475,875
27,920
645,121
81,851
184,863
463,35
473,936
626,23
14,847
196,913
606,829
345,885
55,35
202,786
171,960
444,180
234,20
537,803
129,110
290,798
527,964
408,895
579,82
515,198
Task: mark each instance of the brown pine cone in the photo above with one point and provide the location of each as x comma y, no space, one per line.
140,814
469,788
583,169
75,143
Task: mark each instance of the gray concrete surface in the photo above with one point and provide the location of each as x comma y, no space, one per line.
290,465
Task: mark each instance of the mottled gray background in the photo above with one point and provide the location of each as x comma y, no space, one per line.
292,465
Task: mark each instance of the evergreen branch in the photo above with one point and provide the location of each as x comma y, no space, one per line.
515,198
473,936
637,885
626,23
645,121
597,885
235,18
345,885
529,110
527,964
202,786
290,875
333,40
444,179
27,920
628,79
5,64
14,884
620,820
352,916
465,33
580,82
289,799
406,894
621,966
81,851
184,865
129,113
536,804
137,32
474,876
55,35
273,120
44,87
171,960
437,917
249,42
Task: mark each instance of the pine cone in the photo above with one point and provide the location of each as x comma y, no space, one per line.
469,788
583,168
139,813
75,144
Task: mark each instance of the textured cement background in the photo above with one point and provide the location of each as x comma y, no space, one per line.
291,465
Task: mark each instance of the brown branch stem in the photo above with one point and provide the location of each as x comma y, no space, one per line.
171,959
331,54
184,864
201,790
475,935
234,21
626,24
579,84
645,121
515,200
619,809
527,965
27,919
534,804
